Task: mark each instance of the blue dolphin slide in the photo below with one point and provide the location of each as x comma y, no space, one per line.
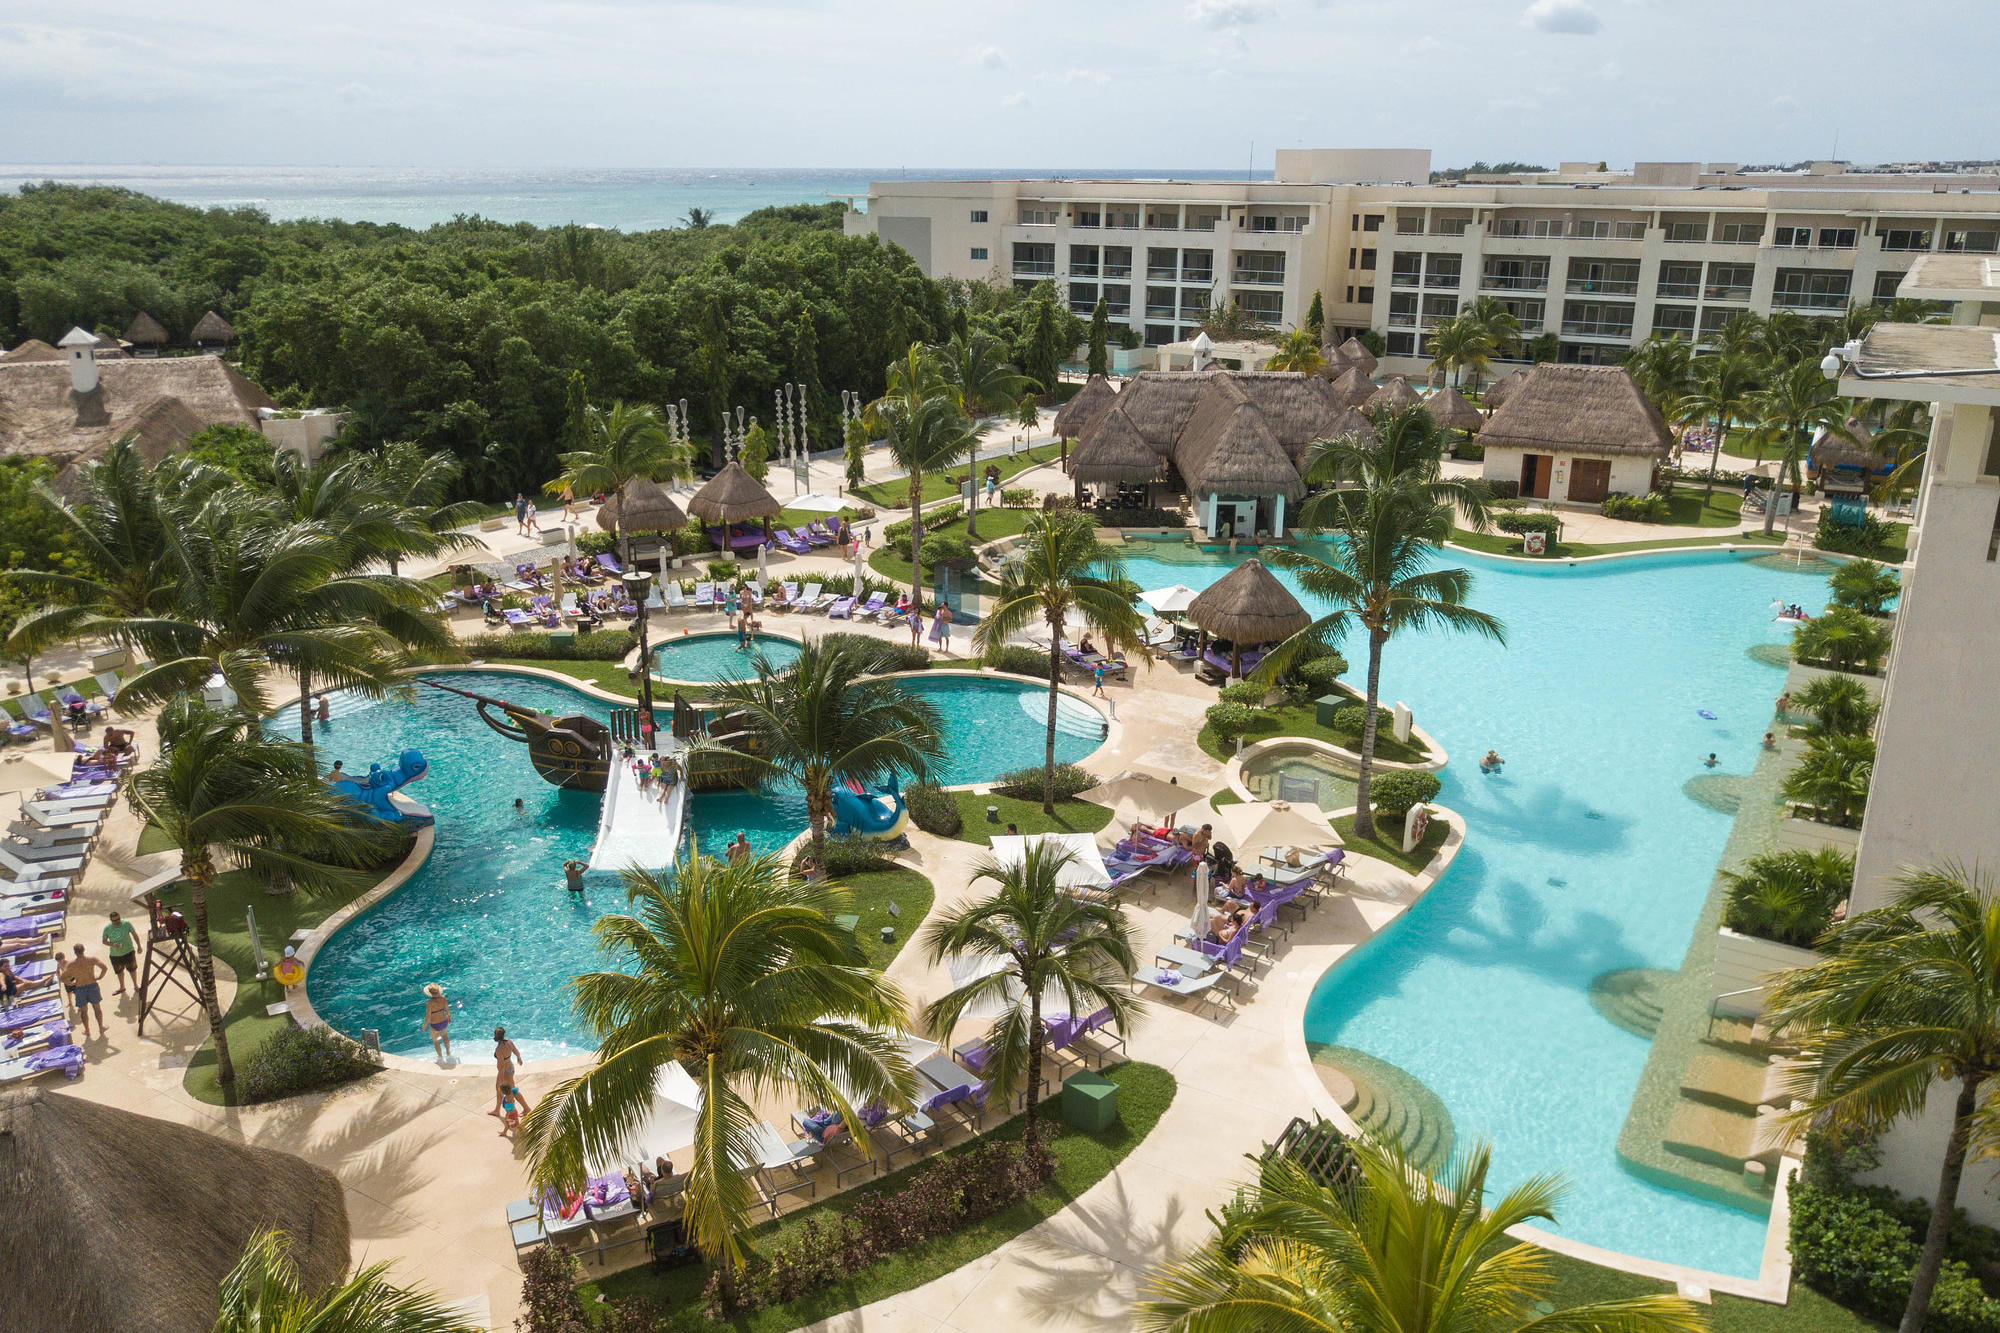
373,790
872,814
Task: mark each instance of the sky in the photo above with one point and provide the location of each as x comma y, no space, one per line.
1194,84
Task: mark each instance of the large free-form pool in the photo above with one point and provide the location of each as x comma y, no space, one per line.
487,915
1584,856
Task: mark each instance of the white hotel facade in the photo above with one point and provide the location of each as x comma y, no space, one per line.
1600,259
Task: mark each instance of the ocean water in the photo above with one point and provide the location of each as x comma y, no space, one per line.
626,199
1585,856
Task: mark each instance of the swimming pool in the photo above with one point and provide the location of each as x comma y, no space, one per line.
1284,772
486,915
715,657
1584,856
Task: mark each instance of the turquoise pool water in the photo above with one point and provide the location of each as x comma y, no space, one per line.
1584,856
715,657
487,915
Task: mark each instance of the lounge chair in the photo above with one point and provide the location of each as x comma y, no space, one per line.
871,608
519,619
31,926
23,868
609,564
814,534
36,710
65,1060
1712,1076
78,795
813,599
48,814
41,854
676,599
70,699
545,610
791,541
77,838
842,609
20,730
1172,981
1307,869
1098,1028
704,596
1727,1138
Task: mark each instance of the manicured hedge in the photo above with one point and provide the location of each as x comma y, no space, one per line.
932,809
1020,660
296,1060
598,645
1027,782
1395,791
1520,523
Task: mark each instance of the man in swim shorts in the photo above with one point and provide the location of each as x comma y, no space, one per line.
437,1021
573,879
80,977
122,943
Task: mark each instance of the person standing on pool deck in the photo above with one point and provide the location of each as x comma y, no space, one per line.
916,624
121,942
520,514
573,878
80,976
437,1021
506,1055
941,628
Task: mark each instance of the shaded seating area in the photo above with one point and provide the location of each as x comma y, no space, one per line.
1245,613
727,501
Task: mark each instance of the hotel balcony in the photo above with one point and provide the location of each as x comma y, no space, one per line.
1083,270
1118,309
1809,300
1730,293
1405,280
1205,276
1248,277
1447,282
1498,283
1117,270
1587,328
1166,273
1685,291
1402,320
1159,311
1605,286
1028,268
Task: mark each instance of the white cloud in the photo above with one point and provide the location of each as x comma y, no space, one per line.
990,57
1226,13
1423,46
1572,17
1069,77
1016,99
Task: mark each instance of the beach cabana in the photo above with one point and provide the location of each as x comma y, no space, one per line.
729,497
1116,454
1247,606
1354,387
1358,356
641,506
122,1221
1395,396
212,333
1450,410
1576,433
1083,411
146,334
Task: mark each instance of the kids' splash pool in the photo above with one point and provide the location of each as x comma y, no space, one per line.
1583,856
487,915
711,658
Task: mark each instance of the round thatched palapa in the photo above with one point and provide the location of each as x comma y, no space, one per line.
212,328
1357,355
1115,453
1502,387
1248,605
145,331
1395,395
1354,386
1349,421
134,1221
1081,412
731,496
643,506
1336,363
1451,411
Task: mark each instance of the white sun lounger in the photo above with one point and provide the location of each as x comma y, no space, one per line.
1208,985
30,867
45,815
108,682
31,834
676,599
812,599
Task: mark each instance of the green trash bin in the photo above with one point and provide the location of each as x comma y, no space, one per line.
1089,1101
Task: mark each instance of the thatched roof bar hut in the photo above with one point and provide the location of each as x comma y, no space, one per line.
147,332
212,330
1496,397
1086,409
732,495
1450,410
642,506
1593,409
1357,355
1116,453
1248,605
1396,395
1354,386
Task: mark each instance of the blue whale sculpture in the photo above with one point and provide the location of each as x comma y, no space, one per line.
373,790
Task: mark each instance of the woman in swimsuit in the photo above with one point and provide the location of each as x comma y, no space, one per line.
437,1020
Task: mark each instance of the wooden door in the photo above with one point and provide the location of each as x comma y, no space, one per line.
1535,470
1589,479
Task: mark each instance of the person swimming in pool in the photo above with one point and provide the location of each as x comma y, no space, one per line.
520,807
1492,762
573,875
1711,761
1770,740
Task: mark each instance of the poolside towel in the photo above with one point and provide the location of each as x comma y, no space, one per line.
26,1015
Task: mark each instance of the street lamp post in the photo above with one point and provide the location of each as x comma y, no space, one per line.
639,587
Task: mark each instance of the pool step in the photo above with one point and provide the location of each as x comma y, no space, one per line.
1771,654
1389,1102
1632,998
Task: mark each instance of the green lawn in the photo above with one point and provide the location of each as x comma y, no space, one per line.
1806,1312
1071,816
1387,845
993,524
873,891
1686,508
895,493
1144,1093
1502,543
605,675
278,915
1301,720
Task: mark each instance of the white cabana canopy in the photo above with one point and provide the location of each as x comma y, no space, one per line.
1137,794
818,502
1086,869
667,1128
25,770
1253,825
1169,601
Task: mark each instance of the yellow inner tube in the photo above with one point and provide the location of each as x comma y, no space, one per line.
289,971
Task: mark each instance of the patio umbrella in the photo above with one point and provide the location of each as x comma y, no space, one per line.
860,568
763,562
818,502
669,1123
1140,795
1254,825
26,770
1085,870
1199,921
1171,600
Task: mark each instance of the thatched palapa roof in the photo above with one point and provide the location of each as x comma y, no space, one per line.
1349,421
1450,410
1395,395
122,1221
1497,396
211,328
1354,386
731,496
1357,355
643,506
34,349
1248,605
1579,409
1336,363
145,331
1230,448
162,400
1115,452
1081,412
1852,452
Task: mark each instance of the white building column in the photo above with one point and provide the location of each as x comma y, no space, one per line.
1209,526
1278,517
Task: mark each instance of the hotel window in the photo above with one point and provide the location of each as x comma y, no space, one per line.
1438,309
1265,307
1402,310
1674,321
1086,217
1714,317
1907,238
1368,259
1836,238
1604,277
979,215
1372,222
1792,238
1502,273
979,252
1409,226
1204,220
1033,258
1402,344
1885,287
1740,233
1122,219
1441,270
1197,266
1679,280
1082,298
1729,282
1160,302
1194,305
1117,261
1038,217
1971,242
1259,266
1528,314
1687,233
1628,231
1595,319
1350,293
1810,289
1158,335
1264,222
1365,295
1118,301
1588,230
1161,265
1163,219
1406,270
1353,257
1528,227
1083,261
1449,226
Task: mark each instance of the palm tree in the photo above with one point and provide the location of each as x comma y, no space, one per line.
223,792
1060,569
1839,705
1908,998
1723,391
1048,943
414,482
1459,344
698,218
831,717
1663,368
1387,1250
627,443
919,417
1790,409
262,1294
735,971
1503,330
1299,350
1388,520
983,380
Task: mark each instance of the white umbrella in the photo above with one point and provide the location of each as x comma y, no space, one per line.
665,558
1253,825
1199,922
860,568
669,1124
26,770
763,564
1140,795
1086,867
818,502
1169,601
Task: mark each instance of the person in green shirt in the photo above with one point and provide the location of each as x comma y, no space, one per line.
122,942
